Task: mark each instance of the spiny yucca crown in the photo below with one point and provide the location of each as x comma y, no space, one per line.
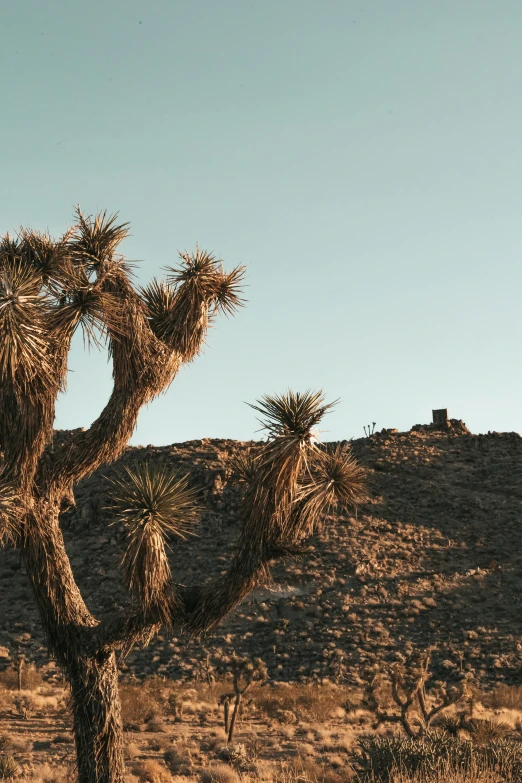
98,238
155,497
203,273
336,477
49,288
180,309
292,413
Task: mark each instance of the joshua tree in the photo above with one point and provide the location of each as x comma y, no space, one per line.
245,673
417,707
48,288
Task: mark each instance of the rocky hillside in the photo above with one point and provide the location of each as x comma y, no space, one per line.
433,559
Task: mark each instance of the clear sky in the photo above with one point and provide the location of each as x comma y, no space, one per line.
364,159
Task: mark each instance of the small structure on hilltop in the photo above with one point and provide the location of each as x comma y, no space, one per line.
440,416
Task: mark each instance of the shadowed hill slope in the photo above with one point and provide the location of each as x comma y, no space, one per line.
432,559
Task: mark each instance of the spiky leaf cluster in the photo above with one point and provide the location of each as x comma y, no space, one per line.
9,769
243,466
49,288
24,313
96,239
153,504
85,302
181,308
291,479
292,415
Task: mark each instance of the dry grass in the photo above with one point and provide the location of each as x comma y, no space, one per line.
313,747
31,678
150,771
292,703
509,696
48,773
476,775
219,773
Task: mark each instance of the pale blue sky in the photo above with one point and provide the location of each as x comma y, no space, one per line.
364,159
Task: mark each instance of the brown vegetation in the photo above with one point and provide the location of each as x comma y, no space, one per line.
321,744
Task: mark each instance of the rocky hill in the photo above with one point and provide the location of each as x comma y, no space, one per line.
433,559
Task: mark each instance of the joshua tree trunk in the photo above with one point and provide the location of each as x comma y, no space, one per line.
226,712
98,729
237,702
89,668
20,670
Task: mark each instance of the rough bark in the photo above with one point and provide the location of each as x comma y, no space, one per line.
98,729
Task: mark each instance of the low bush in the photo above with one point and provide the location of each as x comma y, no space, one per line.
150,771
378,758
305,702
137,705
508,696
219,773
31,678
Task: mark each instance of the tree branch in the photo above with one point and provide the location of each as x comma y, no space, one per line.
143,366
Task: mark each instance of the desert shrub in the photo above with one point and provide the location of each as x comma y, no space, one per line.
6,699
301,770
31,678
156,688
47,773
219,773
305,702
150,771
8,767
156,726
137,705
475,774
376,758
178,760
132,751
24,704
175,704
509,696
484,731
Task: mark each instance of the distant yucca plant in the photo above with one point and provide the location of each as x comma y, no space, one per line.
9,769
451,724
484,731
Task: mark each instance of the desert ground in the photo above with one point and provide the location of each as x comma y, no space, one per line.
430,562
